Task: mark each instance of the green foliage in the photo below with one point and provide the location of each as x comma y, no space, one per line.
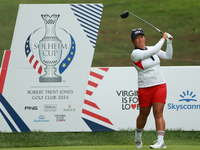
178,17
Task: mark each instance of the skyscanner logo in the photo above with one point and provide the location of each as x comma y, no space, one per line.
185,98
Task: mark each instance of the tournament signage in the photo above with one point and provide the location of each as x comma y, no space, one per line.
45,74
112,101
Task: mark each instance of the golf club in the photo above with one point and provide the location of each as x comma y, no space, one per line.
126,14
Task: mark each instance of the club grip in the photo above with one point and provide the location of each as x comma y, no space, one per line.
161,32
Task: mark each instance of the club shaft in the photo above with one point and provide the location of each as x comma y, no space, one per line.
147,23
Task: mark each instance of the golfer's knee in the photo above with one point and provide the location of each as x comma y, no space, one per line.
143,116
158,113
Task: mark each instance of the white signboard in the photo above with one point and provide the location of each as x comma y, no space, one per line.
49,64
111,101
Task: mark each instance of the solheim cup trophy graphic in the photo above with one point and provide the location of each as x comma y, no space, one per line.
50,49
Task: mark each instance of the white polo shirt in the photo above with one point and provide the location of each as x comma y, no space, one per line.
147,63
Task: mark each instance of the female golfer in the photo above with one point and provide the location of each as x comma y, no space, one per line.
151,83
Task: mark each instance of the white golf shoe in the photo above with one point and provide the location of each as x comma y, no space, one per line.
158,145
138,143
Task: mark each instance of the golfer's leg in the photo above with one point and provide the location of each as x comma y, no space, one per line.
160,125
158,115
140,123
142,117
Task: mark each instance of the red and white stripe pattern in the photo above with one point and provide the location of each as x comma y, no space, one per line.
4,67
31,58
91,110
35,63
160,133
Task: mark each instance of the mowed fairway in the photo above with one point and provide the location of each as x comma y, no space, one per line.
108,147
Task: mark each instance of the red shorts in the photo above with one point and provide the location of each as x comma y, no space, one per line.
154,94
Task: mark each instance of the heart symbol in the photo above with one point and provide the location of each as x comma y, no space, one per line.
133,106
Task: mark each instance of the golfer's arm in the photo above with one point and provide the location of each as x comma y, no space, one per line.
168,54
143,54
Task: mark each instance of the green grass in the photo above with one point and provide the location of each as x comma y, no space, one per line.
107,147
50,139
178,17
